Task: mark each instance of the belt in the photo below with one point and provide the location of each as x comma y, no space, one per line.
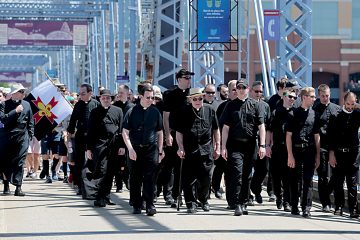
143,145
302,145
344,150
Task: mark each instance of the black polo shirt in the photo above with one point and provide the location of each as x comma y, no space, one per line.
125,106
174,101
197,129
143,124
273,101
266,111
303,123
325,112
343,130
243,118
279,117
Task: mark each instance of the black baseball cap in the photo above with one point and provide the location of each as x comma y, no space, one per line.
184,72
242,82
105,92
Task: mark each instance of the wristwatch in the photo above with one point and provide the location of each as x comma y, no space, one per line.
262,145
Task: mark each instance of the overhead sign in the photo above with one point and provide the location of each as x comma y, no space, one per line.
53,33
19,77
272,25
213,21
122,79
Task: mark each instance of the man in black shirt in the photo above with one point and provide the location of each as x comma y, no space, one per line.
143,136
344,148
174,101
220,163
274,99
198,138
261,166
276,149
79,120
104,130
242,119
325,109
17,117
303,147
122,173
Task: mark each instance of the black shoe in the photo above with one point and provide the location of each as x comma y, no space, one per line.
244,209
272,198
48,179
354,214
295,211
100,203
287,208
218,194
174,205
258,198
19,192
192,209
279,204
109,202
326,208
306,214
136,210
205,207
66,179
169,201
6,188
238,211
151,211
338,211
251,201
119,190
42,174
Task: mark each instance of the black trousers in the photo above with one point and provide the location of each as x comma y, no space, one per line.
346,170
261,169
121,175
79,157
196,178
325,184
143,175
220,166
238,173
165,176
280,173
301,177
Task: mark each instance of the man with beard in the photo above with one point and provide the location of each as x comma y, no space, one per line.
17,117
198,138
105,124
344,148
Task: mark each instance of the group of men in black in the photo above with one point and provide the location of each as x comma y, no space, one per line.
173,146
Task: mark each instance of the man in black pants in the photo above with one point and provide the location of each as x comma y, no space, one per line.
344,150
17,117
122,172
325,109
143,136
174,100
242,119
303,147
198,138
220,163
104,132
276,149
79,120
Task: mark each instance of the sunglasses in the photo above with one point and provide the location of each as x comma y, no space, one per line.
258,91
148,98
240,87
292,97
197,99
186,77
209,92
21,91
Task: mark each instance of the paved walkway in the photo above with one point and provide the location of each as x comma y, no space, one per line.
54,212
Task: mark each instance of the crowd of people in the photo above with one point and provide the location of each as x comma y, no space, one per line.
189,142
